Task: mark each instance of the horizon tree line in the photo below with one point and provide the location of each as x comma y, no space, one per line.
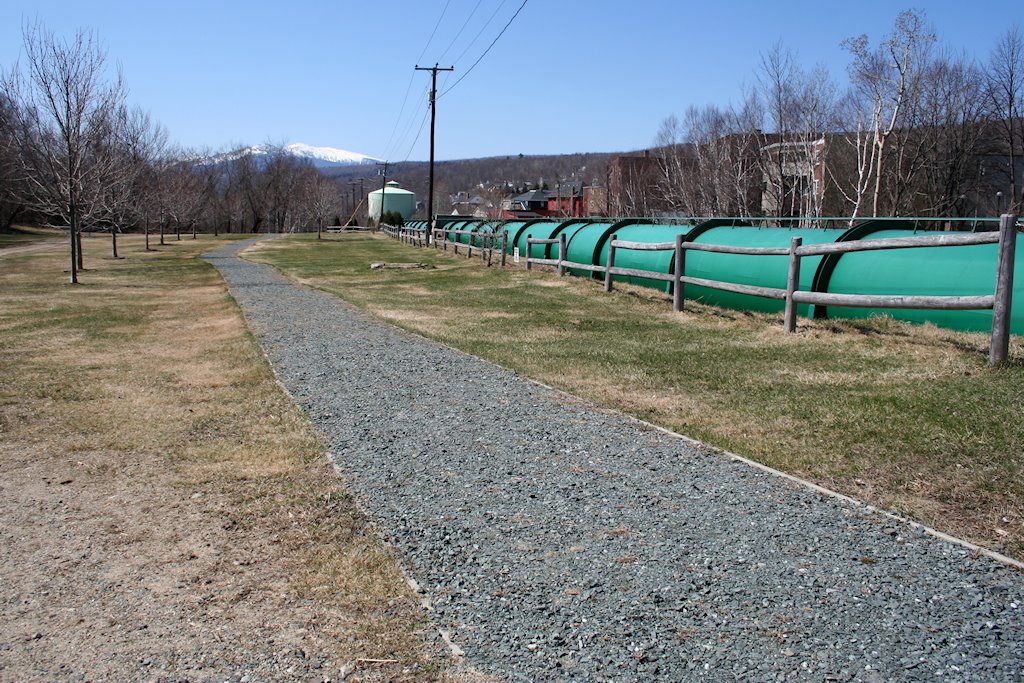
74,154
920,130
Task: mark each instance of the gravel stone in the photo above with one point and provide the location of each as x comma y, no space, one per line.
560,542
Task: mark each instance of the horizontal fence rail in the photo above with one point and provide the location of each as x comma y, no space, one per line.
486,243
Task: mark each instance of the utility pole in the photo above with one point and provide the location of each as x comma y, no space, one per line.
383,190
433,116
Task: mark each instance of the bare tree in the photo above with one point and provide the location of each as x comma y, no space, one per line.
1004,80
322,198
11,203
64,119
709,165
942,169
184,188
141,141
887,76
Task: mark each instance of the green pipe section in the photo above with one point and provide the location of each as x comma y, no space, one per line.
655,261
925,271
762,271
588,243
538,230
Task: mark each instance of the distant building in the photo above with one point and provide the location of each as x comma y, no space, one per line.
568,200
632,185
394,199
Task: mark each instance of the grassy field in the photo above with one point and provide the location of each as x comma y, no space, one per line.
910,419
150,356
19,236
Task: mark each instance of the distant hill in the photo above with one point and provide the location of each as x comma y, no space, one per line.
498,175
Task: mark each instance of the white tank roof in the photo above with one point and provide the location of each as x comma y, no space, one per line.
392,188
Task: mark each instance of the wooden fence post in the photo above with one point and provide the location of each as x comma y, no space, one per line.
677,276
529,266
792,284
489,239
1000,346
609,264
504,246
561,254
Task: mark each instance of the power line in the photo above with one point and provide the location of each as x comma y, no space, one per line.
423,123
481,31
434,31
464,25
500,34
405,98
410,122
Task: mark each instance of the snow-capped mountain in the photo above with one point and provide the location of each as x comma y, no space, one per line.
328,156
321,157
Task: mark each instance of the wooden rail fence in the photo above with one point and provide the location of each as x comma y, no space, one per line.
999,302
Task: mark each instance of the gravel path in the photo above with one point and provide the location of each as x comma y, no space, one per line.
557,541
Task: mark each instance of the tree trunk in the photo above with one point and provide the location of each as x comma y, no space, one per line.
193,231
161,233
81,261
177,232
113,243
145,229
74,252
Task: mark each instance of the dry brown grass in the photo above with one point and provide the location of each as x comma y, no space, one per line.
149,361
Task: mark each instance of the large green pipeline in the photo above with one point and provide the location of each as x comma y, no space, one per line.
455,226
512,228
588,242
538,230
763,271
926,271
517,238
656,261
469,225
567,227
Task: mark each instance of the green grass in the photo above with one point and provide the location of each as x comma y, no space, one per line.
909,418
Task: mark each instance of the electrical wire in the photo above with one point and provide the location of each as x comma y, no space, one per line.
463,28
439,19
407,130
500,34
481,31
412,77
405,100
418,134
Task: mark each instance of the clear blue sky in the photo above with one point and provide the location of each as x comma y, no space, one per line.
567,76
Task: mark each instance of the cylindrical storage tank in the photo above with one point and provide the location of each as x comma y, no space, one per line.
926,271
395,199
588,241
656,261
762,271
